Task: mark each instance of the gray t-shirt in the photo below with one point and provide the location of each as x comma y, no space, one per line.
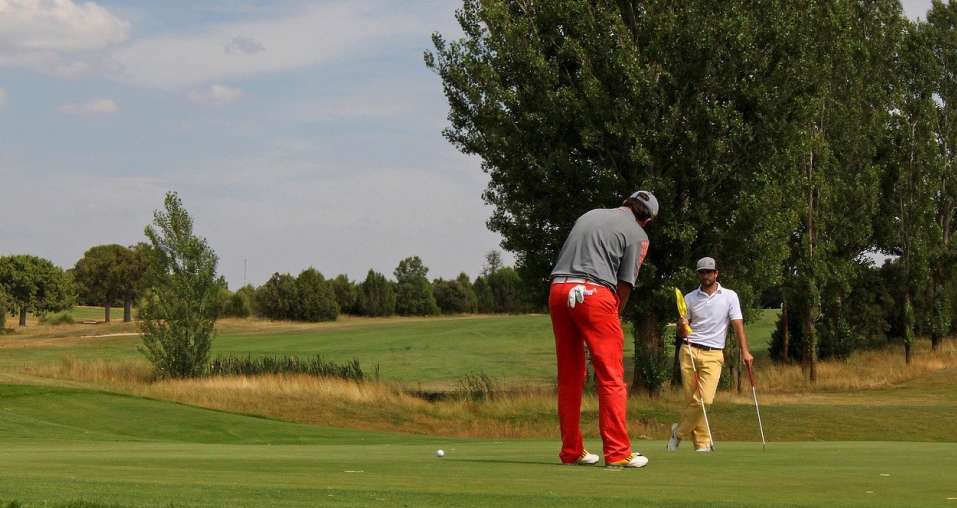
605,245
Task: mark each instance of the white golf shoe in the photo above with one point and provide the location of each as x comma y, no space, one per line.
633,460
585,459
675,440
703,450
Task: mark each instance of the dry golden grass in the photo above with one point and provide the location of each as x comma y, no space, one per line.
526,411
867,370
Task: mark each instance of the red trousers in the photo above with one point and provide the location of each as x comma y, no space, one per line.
594,322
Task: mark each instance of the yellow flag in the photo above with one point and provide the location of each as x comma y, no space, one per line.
682,308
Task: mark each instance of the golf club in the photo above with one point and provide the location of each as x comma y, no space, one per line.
700,394
764,443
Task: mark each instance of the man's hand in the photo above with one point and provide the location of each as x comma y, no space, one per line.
746,358
681,329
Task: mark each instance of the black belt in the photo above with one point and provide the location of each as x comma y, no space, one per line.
704,348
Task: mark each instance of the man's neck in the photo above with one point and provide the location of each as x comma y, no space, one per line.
709,290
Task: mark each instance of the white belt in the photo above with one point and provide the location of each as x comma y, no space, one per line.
571,280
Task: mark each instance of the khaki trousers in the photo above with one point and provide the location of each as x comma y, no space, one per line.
692,424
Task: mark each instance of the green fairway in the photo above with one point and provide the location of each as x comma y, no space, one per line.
59,445
441,350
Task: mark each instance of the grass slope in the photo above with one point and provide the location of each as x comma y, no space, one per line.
60,445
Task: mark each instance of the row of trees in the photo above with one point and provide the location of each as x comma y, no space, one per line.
785,139
312,297
110,275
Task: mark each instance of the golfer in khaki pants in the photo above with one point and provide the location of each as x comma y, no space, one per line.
711,308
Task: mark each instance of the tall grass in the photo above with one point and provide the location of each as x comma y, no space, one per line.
865,370
315,366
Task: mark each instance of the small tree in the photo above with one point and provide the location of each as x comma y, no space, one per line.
450,296
376,296
278,298
107,274
35,285
484,299
506,286
471,298
413,292
317,298
347,294
182,303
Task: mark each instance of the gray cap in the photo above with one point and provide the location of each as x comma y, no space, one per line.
706,264
649,200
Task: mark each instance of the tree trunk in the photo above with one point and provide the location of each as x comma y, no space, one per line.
810,345
786,332
908,327
23,316
676,366
647,333
106,317
127,310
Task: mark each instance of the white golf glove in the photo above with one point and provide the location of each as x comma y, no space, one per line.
577,295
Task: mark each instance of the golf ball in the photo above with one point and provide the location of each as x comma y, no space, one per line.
439,453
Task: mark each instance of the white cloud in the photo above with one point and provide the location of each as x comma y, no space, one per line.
92,108
3,101
322,33
216,95
58,36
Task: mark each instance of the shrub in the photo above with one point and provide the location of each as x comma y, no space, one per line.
234,305
652,369
57,319
277,298
450,296
478,386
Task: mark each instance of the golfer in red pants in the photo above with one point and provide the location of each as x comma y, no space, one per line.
590,285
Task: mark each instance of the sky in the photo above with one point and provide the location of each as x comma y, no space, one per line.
297,133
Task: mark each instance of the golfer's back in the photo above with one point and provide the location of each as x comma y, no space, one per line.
604,245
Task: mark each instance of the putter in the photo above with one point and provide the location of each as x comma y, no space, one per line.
764,443
700,393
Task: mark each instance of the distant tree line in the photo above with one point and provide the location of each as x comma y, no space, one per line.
114,275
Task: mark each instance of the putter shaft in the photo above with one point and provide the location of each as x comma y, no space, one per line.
700,393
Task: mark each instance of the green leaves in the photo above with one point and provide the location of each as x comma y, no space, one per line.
182,303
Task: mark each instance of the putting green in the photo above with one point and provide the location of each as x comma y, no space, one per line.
60,445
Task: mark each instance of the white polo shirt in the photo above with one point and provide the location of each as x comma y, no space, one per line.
710,316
